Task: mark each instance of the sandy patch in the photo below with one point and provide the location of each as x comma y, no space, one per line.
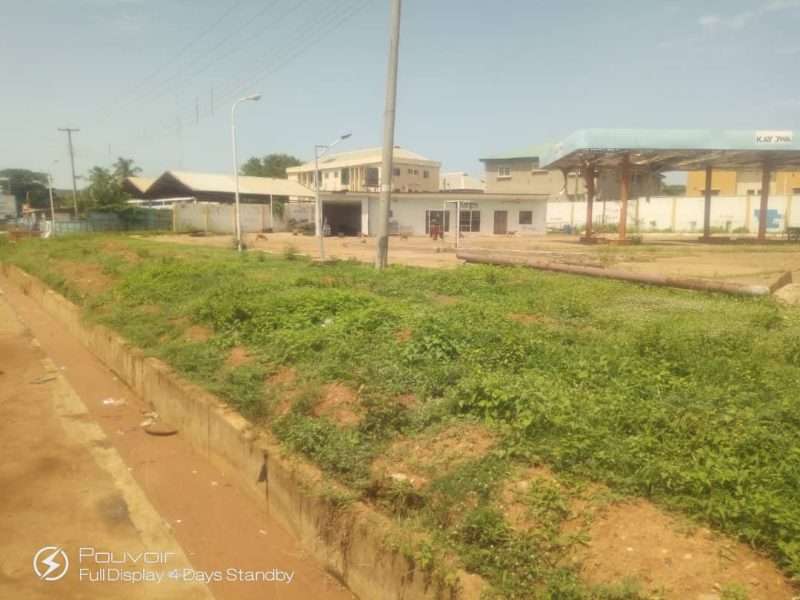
237,357
340,404
419,459
88,278
198,333
638,540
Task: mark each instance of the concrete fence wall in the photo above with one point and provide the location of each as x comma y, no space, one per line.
675,213
220,218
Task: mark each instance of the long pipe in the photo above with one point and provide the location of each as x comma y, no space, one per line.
493,258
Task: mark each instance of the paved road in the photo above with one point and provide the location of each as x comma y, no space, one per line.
78,472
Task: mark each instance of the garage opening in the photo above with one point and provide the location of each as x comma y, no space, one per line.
342,218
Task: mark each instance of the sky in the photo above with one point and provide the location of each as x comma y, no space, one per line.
476,78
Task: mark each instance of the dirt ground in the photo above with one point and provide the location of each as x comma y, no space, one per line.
63,484
671,255
55,489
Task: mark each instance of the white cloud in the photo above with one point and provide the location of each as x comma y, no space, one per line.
740,20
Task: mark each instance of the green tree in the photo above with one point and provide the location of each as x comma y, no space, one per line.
27,186
272,165
125,167
105,190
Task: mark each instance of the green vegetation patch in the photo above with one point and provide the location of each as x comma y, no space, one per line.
685,398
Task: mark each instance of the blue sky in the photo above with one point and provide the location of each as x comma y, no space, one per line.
476,78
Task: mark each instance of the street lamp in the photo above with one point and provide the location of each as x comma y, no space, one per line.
318,202
252,97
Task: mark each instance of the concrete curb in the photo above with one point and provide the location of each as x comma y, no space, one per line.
355,542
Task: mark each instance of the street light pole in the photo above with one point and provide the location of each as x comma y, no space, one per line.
317,200
238,232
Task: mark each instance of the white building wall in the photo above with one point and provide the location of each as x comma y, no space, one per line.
681,214
409,215
219,218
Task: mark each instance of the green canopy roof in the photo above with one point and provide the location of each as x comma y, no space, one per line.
675,149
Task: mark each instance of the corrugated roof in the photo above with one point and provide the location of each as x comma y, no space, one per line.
217,182
366,156
676,149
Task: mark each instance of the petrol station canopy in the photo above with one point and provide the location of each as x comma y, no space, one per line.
674,149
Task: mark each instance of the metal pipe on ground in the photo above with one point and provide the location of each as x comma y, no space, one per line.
704,285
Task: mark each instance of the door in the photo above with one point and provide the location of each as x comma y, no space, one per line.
501,221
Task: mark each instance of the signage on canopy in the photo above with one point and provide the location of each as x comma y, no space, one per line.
773,137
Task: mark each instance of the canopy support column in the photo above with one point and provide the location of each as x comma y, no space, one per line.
766,175
707,208
588,176
624,193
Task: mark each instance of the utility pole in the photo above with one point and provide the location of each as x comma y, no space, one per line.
382,254
69,131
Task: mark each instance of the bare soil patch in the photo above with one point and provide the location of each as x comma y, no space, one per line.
88,278
198,333
340,404
284,376
418,459
238,356
638,540
403,335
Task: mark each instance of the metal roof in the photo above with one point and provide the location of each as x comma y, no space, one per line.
365,156
216,182
675,149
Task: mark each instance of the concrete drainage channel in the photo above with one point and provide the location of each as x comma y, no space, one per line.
353,543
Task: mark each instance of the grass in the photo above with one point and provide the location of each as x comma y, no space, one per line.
684,398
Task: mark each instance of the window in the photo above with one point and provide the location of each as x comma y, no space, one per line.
504,172
410,171
327,174
426,174
526,217
396,172
795,190
434,217
416,172
372,177
345,176
470,220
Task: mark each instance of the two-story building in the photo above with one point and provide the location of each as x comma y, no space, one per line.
518,172
360,171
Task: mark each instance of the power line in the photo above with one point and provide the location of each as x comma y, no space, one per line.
126,96
308,37
167,86
314,36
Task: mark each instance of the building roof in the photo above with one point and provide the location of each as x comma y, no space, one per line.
141,184
459,180
530,152
216,182
366,156
675,149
